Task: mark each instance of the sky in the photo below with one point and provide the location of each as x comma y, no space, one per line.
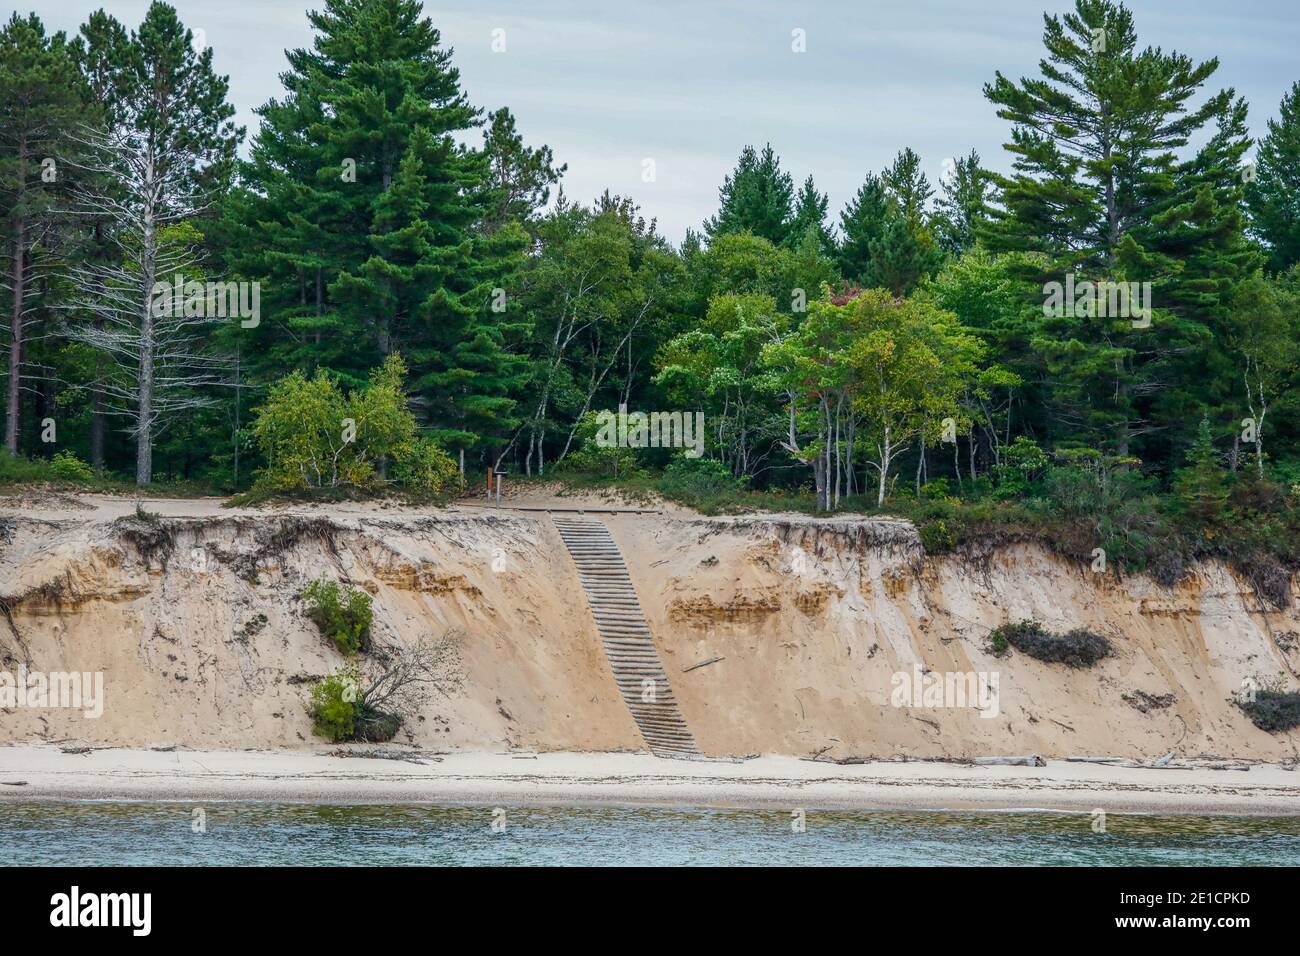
612,84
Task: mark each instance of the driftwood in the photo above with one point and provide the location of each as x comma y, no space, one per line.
377,754
1097,760
711,660
1162,762
1029,760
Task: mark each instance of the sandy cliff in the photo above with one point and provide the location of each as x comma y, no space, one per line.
195,622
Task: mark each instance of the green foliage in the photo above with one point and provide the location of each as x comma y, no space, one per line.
344,615
1273,710
1076,648
65,465
426,472
598,454
937,537
698,482
335,705
1202,485
314,435
1274,196
756,198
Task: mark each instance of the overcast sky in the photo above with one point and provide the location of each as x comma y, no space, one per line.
610,83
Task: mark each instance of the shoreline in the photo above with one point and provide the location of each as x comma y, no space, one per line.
44,773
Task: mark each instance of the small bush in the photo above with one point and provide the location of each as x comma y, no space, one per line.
344,615
66,466
1273,710
425,471
937,537
1076,648
335,705
697,482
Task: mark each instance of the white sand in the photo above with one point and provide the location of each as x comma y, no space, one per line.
628,778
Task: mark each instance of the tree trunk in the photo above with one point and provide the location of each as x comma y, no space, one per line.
13,411
144,389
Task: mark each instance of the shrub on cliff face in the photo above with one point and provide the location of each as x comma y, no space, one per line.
1076,648
334,705
1273,710
369,699
344,615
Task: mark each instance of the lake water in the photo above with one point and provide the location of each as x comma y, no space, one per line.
254,834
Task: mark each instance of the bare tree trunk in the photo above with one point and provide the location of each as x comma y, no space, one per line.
884,468
144,389
13,411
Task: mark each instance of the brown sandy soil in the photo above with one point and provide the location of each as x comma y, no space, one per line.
811,619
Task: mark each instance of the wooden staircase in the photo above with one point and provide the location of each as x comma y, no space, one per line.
629,645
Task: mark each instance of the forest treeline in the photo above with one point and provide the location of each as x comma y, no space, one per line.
908,346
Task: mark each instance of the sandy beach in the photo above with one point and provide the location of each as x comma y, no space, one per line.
40,773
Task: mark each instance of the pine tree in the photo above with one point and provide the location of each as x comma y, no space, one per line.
1274,196
810,216
755,198
40,102
102,51
901,256
372,216
1202,486
963,207
907,185
521,177
151,175
1098,188
862,222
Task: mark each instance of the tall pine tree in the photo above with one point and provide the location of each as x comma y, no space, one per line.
755,198
371,216
1274,196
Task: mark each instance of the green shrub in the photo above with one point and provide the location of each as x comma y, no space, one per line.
1076,648
595,459
317,437
1273,710
698,481
344,615
426,471
335,702
68,467
339,711
937,537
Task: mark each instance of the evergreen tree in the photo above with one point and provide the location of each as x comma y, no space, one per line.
1274,197
102,51
1099,189
963,207
810,216
1202,486
862,222
39,106
520,177
152,175
756,198
369,201
902,255
907,185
